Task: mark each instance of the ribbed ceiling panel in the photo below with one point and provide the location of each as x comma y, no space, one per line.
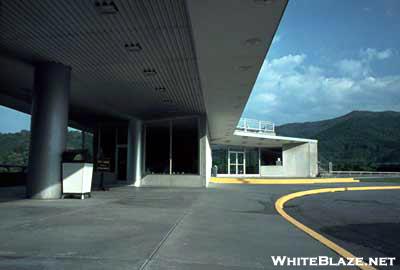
104,73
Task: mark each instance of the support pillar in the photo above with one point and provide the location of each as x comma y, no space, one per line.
205,152
135,152
49,123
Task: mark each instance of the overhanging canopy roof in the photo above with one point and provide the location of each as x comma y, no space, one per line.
231,41
251,139
206,55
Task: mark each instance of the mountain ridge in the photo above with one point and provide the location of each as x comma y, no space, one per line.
359,140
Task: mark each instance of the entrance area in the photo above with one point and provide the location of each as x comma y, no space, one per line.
236,162
121,163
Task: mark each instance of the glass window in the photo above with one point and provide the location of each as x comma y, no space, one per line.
89,144
252,166
236,148
232,169
107,145
240,169
220,158
232,157
122,137
158,148
240,158
185,146
172,147
271,156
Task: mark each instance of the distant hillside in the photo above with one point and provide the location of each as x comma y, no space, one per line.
14,147
360,140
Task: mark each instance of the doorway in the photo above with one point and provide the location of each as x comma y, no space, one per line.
236,162
121,163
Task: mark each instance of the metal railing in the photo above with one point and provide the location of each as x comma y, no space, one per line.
363,173
336,173
12,168
253,125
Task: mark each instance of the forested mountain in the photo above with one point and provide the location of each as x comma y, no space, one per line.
360,140
14,147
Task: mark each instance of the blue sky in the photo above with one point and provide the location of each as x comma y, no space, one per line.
328,58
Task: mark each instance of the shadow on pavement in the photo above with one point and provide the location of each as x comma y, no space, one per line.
382,237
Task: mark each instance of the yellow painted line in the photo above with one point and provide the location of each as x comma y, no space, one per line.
280,204
257,181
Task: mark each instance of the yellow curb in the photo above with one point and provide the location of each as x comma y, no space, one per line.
280,203
257,181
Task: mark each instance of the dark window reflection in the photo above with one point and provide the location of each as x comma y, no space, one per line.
185,146
271,156
157,148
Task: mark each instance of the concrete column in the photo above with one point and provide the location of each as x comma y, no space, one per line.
49,125
205,151
135,152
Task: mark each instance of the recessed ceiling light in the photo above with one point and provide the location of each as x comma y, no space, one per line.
252,42
160,89
245,67
149,72
133,47
263,1
106,7
168,101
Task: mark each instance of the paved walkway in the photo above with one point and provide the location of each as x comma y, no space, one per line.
280,181
223,227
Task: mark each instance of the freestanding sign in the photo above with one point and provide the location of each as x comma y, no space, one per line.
103,165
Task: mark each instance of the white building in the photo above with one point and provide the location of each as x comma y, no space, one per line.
254,150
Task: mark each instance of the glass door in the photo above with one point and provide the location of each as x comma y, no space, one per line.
236,162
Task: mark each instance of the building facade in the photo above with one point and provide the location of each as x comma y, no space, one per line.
154,81
255,150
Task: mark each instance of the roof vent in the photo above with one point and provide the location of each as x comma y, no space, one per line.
160,89
106,7
252,42
245,67
167,101
133,47
263,1
149,72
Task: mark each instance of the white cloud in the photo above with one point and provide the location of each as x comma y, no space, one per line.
288,89
353,68
268,97
288,62
373,54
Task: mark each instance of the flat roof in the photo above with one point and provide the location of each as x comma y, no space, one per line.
252,139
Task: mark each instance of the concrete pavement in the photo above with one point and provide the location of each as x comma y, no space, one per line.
223,227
